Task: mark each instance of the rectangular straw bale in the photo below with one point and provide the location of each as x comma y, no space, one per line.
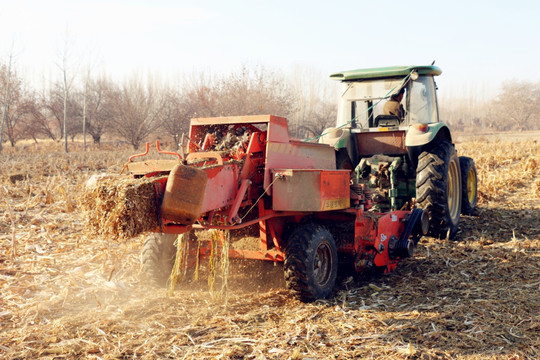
120,207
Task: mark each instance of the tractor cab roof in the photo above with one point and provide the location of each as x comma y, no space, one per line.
385,72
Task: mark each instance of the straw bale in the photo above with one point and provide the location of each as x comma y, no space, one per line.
120,207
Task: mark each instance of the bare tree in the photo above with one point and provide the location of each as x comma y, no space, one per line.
12,105
64,112
319,117
517,107
315,103
464,106
198,93
6,82
66,83
177,111
37,122
197,98
98,107
251,92
84,116
139,109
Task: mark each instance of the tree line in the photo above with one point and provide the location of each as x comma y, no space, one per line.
516,107
136,108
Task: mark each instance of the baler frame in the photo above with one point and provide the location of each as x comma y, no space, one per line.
268,173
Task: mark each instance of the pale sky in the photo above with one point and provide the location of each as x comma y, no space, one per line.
474,42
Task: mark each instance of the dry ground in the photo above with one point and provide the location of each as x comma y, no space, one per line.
67,295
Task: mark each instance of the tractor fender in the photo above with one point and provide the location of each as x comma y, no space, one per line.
417,137
341,140
336,137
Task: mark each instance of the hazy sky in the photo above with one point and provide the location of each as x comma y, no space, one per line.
474,42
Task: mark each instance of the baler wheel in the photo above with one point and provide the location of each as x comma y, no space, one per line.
468,185
438,188
311,262
157,257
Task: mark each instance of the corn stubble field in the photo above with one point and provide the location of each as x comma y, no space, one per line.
65,294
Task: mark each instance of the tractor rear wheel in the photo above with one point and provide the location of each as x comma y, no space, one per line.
468,185
157,257
438,188
311,262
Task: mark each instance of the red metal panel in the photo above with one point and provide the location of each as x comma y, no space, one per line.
334,188
224,120
278,130
221,187
310,190
388,225
297,155
254,156
270,255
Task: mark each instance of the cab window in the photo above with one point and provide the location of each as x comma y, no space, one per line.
421,101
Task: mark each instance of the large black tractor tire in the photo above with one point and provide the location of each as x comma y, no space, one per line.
469,183
311,262
438,188
157,257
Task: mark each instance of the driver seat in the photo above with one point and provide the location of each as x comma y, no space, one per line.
386,120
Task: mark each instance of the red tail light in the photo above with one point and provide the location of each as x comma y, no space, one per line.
421,127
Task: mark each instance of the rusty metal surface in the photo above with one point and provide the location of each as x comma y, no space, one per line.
310,190
221,187
297,155
248,119
183,195
384,142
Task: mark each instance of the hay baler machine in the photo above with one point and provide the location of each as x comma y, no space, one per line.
246,175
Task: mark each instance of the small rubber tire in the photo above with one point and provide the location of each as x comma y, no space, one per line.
438,188
311,262
469,183
157,257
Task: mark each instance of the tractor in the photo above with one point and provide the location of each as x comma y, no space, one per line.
360,198
406,158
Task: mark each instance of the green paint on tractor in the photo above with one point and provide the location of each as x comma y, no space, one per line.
385,72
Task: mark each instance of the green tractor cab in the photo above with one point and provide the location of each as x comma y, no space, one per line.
389,133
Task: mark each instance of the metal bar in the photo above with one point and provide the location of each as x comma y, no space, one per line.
274,237
205,155
167,152
251,222
252,119
233,213
269,255
142,154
